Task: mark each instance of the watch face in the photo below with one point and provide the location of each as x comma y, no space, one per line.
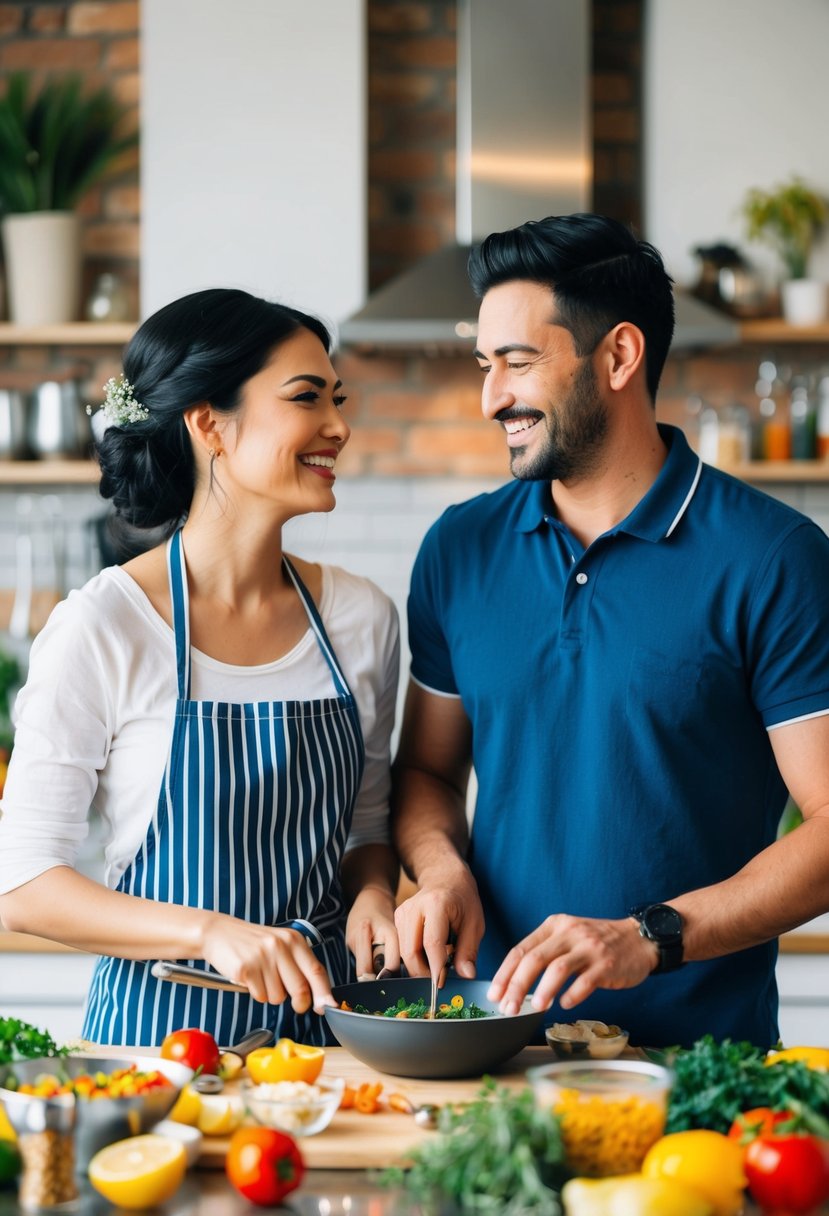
662,922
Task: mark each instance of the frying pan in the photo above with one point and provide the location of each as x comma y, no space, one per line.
414,1047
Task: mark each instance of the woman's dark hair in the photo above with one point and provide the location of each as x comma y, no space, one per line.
600,273
203,347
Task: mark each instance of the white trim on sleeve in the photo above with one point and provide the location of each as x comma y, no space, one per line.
436,692
818,713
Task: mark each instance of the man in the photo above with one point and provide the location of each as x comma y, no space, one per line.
632,649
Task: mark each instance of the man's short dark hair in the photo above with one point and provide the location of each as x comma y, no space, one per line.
600,272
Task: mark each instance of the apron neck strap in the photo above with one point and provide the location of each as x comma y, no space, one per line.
180,601
315,621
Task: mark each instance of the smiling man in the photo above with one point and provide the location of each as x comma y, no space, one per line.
632,649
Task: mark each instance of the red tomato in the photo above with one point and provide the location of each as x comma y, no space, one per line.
788,1172
195,1048
264,1165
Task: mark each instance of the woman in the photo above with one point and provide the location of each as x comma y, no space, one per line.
226,710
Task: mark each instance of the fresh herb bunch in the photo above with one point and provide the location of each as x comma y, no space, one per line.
22,1041
420,1008
497,1154
716,1082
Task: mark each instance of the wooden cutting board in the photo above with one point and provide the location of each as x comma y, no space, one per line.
356,1141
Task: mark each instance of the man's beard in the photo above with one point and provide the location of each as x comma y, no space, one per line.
575,431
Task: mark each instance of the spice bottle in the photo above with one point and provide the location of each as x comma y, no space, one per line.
823,419
48,1179
803,423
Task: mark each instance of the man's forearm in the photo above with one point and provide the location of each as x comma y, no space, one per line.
782,887
429,824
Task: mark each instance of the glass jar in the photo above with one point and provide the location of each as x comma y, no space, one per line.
109,300
734,436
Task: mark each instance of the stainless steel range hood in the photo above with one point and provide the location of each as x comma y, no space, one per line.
523,152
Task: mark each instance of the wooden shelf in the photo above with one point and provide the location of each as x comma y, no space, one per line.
775,329
780,470
49,472
75,333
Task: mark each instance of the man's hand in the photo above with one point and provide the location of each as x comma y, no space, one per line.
447,904
592,953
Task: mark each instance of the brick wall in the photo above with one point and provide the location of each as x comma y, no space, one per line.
411,415
99,39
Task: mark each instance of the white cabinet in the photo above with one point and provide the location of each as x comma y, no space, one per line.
46,989
803,982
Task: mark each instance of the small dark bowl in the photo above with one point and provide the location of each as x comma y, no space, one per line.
416,1047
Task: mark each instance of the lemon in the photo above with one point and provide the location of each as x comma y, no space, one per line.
140,1172
187,1107
220,1115
632,1195
706,1161
7,1132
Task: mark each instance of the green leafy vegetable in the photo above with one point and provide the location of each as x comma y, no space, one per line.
420,1009
22,1041
716,1082
496,1154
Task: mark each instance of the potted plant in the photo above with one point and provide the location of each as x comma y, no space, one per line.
55,144
789,218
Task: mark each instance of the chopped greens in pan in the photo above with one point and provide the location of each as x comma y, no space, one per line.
455,1009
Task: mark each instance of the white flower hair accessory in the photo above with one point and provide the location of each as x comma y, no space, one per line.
120,407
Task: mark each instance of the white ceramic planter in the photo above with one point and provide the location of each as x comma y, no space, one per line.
43,267
804,301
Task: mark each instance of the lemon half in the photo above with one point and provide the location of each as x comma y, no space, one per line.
139,1172
219,1115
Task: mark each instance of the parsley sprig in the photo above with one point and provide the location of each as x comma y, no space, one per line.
496,1154
716,1082
23,1041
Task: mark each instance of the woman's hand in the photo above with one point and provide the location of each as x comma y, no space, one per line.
371,921
273,964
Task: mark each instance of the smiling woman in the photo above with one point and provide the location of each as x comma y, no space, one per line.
225,708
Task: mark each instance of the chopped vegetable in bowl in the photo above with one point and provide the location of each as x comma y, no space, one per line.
456,1008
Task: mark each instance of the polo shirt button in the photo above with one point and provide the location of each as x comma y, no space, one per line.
581,578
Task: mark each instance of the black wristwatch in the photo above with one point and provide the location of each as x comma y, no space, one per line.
662,925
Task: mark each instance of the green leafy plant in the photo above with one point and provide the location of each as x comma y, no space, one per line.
498,1154
716,1082
788,218
56,143
22,1041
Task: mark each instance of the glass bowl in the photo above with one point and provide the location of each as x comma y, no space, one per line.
586,1039
294,1106
610,1111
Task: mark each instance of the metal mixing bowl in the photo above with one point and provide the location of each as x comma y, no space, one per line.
99,1121
415,1047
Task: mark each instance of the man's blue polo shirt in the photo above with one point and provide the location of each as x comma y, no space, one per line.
621,698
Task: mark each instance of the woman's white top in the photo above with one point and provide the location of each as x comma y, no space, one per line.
93,722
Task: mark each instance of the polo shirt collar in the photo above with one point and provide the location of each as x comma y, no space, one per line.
658,513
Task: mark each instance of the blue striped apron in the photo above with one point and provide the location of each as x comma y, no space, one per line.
252,818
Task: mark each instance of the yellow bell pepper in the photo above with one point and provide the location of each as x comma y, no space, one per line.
705,1161
632,1195
286,1061
812,1057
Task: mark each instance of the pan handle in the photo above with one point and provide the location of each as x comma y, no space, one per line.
179,974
